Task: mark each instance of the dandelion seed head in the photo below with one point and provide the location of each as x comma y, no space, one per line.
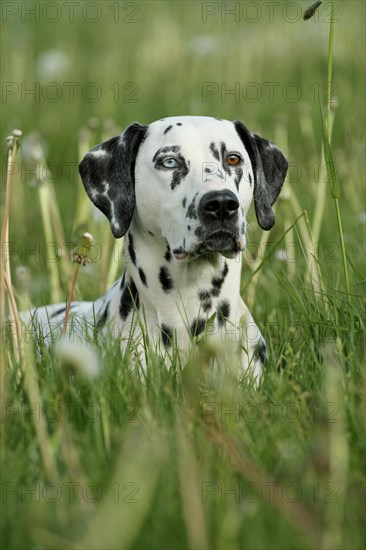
23,277
203,44
33,147
281,255
52,65
79,356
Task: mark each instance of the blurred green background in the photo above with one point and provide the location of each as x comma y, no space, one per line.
76,73
107,64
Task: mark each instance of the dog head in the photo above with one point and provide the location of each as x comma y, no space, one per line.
189,180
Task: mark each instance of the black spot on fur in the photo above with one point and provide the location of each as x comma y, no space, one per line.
184,202
205,299
179,124
165,279
142,276
192,210
131,248
167,129
242,229
168,254
188,227
166,335
180,172
223,312
238,176
261,351
223,157
198,232
58,312
197,327
182,169
129,298
214,151
151,233
103,318
217,282
206,305
250,180
204,295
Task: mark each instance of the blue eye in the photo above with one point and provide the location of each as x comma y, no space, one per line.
169,163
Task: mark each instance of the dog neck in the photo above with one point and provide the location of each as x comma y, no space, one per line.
201,286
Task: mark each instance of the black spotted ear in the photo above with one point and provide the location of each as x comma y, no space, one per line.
269,168
108,175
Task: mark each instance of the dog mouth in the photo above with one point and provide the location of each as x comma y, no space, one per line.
222,241
227,243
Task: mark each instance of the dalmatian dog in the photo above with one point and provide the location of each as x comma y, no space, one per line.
179,191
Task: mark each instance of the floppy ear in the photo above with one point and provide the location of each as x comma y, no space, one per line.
269,168
108,175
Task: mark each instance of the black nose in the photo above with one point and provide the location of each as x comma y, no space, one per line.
219,205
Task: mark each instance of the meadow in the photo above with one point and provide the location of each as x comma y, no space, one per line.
186,459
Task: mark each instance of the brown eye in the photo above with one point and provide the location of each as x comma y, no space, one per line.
233,159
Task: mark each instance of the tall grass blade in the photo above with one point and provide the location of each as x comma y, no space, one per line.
328,154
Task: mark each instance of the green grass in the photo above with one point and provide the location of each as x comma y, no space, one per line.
152,463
